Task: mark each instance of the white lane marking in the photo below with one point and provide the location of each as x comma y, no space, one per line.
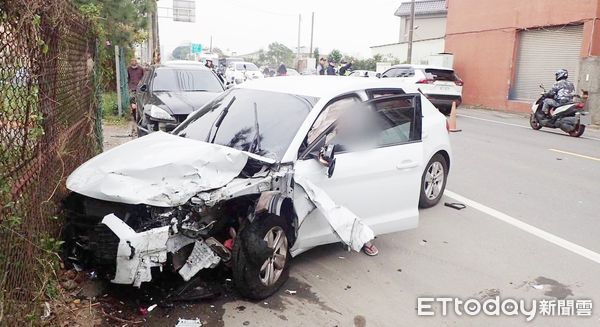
514,125
575,154
577,249
493,121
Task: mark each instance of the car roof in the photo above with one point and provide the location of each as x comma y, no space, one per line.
422,67
197,66
324,86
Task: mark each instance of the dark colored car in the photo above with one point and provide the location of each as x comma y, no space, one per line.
169,93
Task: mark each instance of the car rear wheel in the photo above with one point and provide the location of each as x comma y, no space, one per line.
261,257
433,181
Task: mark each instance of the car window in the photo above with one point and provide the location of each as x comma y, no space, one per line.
261,122
378,93
390,73
174,80
441,75
329,115
383,122
405,72
246,66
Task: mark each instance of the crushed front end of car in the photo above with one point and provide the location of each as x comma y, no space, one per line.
137,210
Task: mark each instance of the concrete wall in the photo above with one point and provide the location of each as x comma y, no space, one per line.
590,81
421,50
484,41
427,27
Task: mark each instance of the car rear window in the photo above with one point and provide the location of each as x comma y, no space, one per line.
185,80
442,75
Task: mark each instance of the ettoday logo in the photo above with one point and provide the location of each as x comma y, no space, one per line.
504,307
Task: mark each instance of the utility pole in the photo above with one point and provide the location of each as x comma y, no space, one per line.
411,31
312,30
299,26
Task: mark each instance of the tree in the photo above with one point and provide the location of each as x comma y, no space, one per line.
278,53
181,52
316,56
116,22
335,56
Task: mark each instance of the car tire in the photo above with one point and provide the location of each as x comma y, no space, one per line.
260,264
433,181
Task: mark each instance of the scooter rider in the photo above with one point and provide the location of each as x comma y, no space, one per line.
562,92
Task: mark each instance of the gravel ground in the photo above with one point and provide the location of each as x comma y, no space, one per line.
115,134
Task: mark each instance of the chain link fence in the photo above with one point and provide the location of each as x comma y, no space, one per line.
49,125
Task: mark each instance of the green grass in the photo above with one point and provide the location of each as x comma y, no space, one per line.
110,110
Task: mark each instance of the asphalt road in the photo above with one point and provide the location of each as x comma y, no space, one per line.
530,231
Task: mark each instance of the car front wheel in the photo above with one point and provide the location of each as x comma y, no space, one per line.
261,257
433,181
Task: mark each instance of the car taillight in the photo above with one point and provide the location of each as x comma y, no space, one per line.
459,82
426,81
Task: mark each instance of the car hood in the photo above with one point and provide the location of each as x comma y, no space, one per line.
183,103
160,169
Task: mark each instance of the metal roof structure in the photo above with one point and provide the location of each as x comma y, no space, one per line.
422,8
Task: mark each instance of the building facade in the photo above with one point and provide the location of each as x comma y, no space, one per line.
428,36
504,49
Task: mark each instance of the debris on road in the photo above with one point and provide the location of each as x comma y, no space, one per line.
342,258
189,323
455,205
537,287
47,311
152,307
290,292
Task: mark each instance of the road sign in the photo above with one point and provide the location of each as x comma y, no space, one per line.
196,48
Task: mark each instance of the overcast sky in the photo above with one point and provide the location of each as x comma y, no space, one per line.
351,26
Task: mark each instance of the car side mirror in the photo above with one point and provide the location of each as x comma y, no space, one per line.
327,158
144,88
378,75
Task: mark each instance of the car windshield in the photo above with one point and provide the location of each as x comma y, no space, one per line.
260,122
186,80
247,66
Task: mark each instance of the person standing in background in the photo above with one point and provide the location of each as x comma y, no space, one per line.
331,67
134,75
322,68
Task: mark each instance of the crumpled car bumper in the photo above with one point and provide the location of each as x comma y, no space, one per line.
138,252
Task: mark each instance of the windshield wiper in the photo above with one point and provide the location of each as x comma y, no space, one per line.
255,145
218,121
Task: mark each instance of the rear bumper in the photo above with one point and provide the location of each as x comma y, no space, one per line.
439,100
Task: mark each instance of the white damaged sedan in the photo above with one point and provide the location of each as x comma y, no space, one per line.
266,171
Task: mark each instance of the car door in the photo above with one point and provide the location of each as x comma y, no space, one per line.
379,182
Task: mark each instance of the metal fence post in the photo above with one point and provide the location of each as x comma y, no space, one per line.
118,76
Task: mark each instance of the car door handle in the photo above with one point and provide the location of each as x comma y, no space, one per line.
407,164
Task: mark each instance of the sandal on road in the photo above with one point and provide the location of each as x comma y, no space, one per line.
370,250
